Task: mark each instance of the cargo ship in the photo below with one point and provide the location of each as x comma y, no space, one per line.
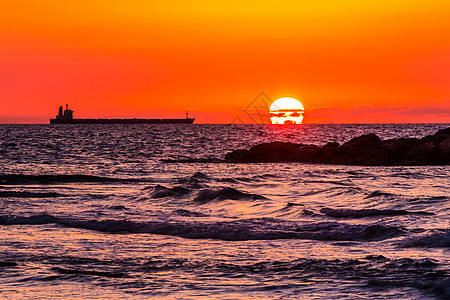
66,117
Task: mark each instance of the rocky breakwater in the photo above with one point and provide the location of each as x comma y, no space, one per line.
367,150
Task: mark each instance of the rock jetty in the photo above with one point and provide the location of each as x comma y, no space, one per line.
367,150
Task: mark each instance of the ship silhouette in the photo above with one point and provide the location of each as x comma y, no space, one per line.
66,117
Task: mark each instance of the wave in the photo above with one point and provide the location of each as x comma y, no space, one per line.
428,200
378,194
22,179
235,179
339,183
188,213
239,230
208,195
195,181
433,239
198,175
255,178
7,263
160,191
265,176
117,207
29,220
371,271
411,175
16,194
411,272
185,187
291,204
66,271
335,191
360,268
362,213
442,288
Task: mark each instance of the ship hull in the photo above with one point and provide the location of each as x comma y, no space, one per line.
123,121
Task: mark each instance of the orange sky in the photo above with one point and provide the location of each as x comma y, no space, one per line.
347,61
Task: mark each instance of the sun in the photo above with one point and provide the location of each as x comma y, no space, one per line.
286,110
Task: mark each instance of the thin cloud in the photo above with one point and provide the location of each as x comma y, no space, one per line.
429,110
378,114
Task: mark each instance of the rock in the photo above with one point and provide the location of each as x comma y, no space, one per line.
264,157
270,152
369,157
444,147
331,146
349,150
400,146
367,149
423,154
306,153
445,131
335,159
435,138
368,141
357,145
235,156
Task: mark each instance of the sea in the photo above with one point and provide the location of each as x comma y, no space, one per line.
153,212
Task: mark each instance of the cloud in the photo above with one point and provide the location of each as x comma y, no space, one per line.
379,114
429,110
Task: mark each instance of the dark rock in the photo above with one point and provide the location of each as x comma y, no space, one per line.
265,157
270,152
444,147
349,150
371,157
363,150
401,145
335,159
398,148
306,153
368,141
330,146
357,145
445,131
235,156
435,139
423,154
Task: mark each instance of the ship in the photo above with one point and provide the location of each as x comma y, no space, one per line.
66,117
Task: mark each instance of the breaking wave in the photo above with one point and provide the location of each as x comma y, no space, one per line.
239,230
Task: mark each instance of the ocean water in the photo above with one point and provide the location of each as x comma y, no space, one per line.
151,212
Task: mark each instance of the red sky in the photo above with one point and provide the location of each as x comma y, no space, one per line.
347,61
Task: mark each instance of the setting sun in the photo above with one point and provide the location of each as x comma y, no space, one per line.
286,111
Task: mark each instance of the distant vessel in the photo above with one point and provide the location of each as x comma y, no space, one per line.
67,118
